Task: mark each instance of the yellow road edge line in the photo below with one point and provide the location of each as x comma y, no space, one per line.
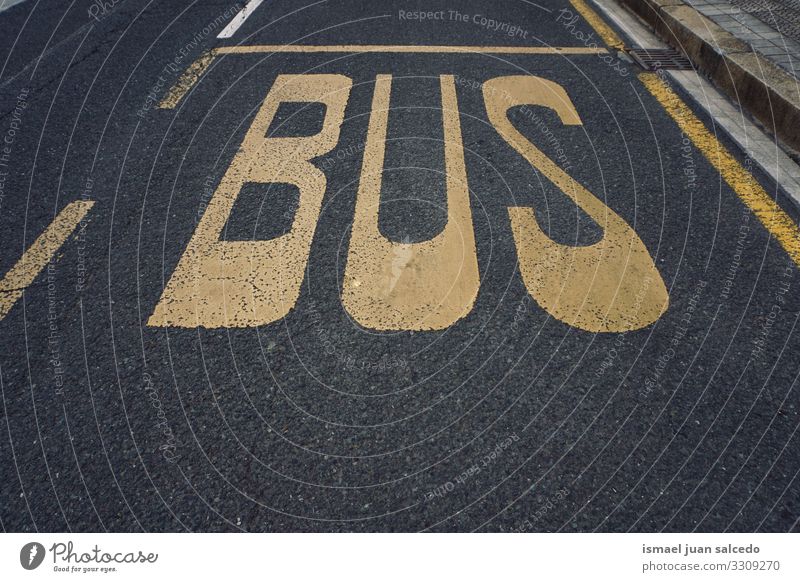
187,80
379,48
775,220
603,30
41,252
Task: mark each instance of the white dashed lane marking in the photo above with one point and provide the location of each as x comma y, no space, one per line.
239,19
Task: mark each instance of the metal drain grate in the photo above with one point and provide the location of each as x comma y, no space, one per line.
654,59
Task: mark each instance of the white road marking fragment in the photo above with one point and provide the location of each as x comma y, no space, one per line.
6,4
239,19
40,253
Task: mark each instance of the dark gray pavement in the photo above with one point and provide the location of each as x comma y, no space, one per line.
313,423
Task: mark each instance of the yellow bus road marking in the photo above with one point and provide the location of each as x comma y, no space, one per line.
191,75
610,286
603,30
774,219
40,253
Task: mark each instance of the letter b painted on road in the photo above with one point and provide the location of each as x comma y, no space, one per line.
250,283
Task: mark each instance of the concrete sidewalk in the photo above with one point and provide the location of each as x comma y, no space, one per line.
750,49
771,27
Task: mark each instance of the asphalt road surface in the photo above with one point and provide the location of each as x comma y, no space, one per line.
380,271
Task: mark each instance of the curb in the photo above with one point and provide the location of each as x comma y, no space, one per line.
762,88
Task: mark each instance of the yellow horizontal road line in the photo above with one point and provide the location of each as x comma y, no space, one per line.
389,48
40,253
774,219
190,76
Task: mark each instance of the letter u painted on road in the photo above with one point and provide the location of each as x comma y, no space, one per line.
249,283
403,286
